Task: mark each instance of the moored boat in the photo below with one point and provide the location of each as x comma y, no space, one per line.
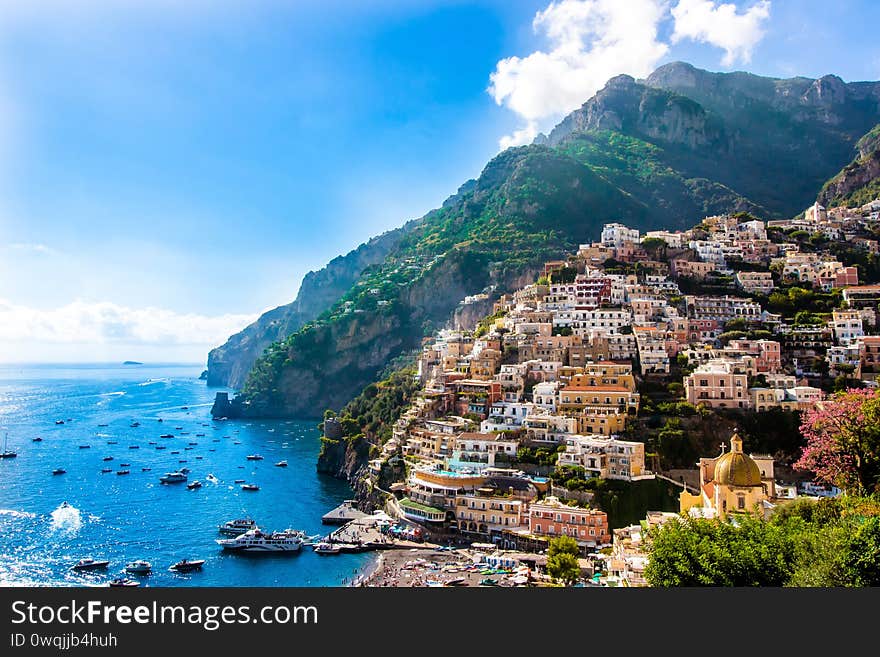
58,471
90,564
281,464
257,541
124,582
187,565
139,567
172,477
254,457
237,526
250,487
194,484
325,547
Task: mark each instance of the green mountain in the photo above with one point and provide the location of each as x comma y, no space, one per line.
858,182
657,153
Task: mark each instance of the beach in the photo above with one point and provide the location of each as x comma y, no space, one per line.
426,566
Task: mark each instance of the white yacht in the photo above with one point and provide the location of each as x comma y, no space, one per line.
325,547
139,567
255,540
172,477
237,527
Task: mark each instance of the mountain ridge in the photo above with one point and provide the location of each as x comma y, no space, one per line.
635,152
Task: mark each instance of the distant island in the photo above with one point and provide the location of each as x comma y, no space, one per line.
132,362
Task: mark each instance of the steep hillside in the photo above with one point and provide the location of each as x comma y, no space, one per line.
859,182
229,364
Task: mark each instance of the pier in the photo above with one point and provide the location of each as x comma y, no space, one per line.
342,514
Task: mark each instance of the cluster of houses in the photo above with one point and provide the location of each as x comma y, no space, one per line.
557,364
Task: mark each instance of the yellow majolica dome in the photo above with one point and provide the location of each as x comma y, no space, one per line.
736,468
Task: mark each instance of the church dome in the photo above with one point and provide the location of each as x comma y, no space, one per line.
737,468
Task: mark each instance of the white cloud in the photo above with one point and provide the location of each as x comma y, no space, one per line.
590,42
105,323
33,248
721,25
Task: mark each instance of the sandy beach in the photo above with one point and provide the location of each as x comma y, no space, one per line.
419,567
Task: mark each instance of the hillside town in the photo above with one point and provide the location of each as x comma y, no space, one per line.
731,318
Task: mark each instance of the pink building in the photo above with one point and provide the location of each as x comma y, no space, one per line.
846,277
719,383
551,518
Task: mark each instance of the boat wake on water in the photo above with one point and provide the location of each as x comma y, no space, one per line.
17,514
66,518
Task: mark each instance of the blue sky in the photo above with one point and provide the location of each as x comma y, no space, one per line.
168,172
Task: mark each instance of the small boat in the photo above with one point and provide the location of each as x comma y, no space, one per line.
281,464
139,567
59,421
184,408
238,481
102,425
151,442
175,451
192,443
108,458
58,471
199,458
112,442
172,477
237,527
160,420
6,453
254,457
85,446
161,447
235,442
186,566
212,478
181,460
459,581
199,435
167,435
123,581
184,470
325,547
146,469
37,440
134,446
488,581
186,449
194,484
125,465
90,564
123,472
106,470
250,487
178,428
135,424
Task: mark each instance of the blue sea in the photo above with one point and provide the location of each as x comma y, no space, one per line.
126,517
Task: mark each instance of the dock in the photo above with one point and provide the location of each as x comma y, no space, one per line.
343,514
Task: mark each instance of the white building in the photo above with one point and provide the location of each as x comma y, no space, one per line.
617,235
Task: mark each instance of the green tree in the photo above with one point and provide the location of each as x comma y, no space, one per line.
562,560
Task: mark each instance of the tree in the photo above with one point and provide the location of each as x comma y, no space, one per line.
711,552
843,441
562,560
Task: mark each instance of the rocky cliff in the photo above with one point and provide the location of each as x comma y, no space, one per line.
859,181
229,364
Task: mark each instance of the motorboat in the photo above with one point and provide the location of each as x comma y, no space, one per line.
123,472
125,465
186,565
194,484
254,457
192,443
172,477
135,424
106,470
59,421
38,439
139,567
102,425
211,478
184,470
146,469
281,464
90,564
237,526
250,487
161,447
134,446
167,435
58,471
123,581
108,458
257,541
85,446
238,481
112,442
325,547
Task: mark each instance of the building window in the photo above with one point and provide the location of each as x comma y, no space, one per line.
740,502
